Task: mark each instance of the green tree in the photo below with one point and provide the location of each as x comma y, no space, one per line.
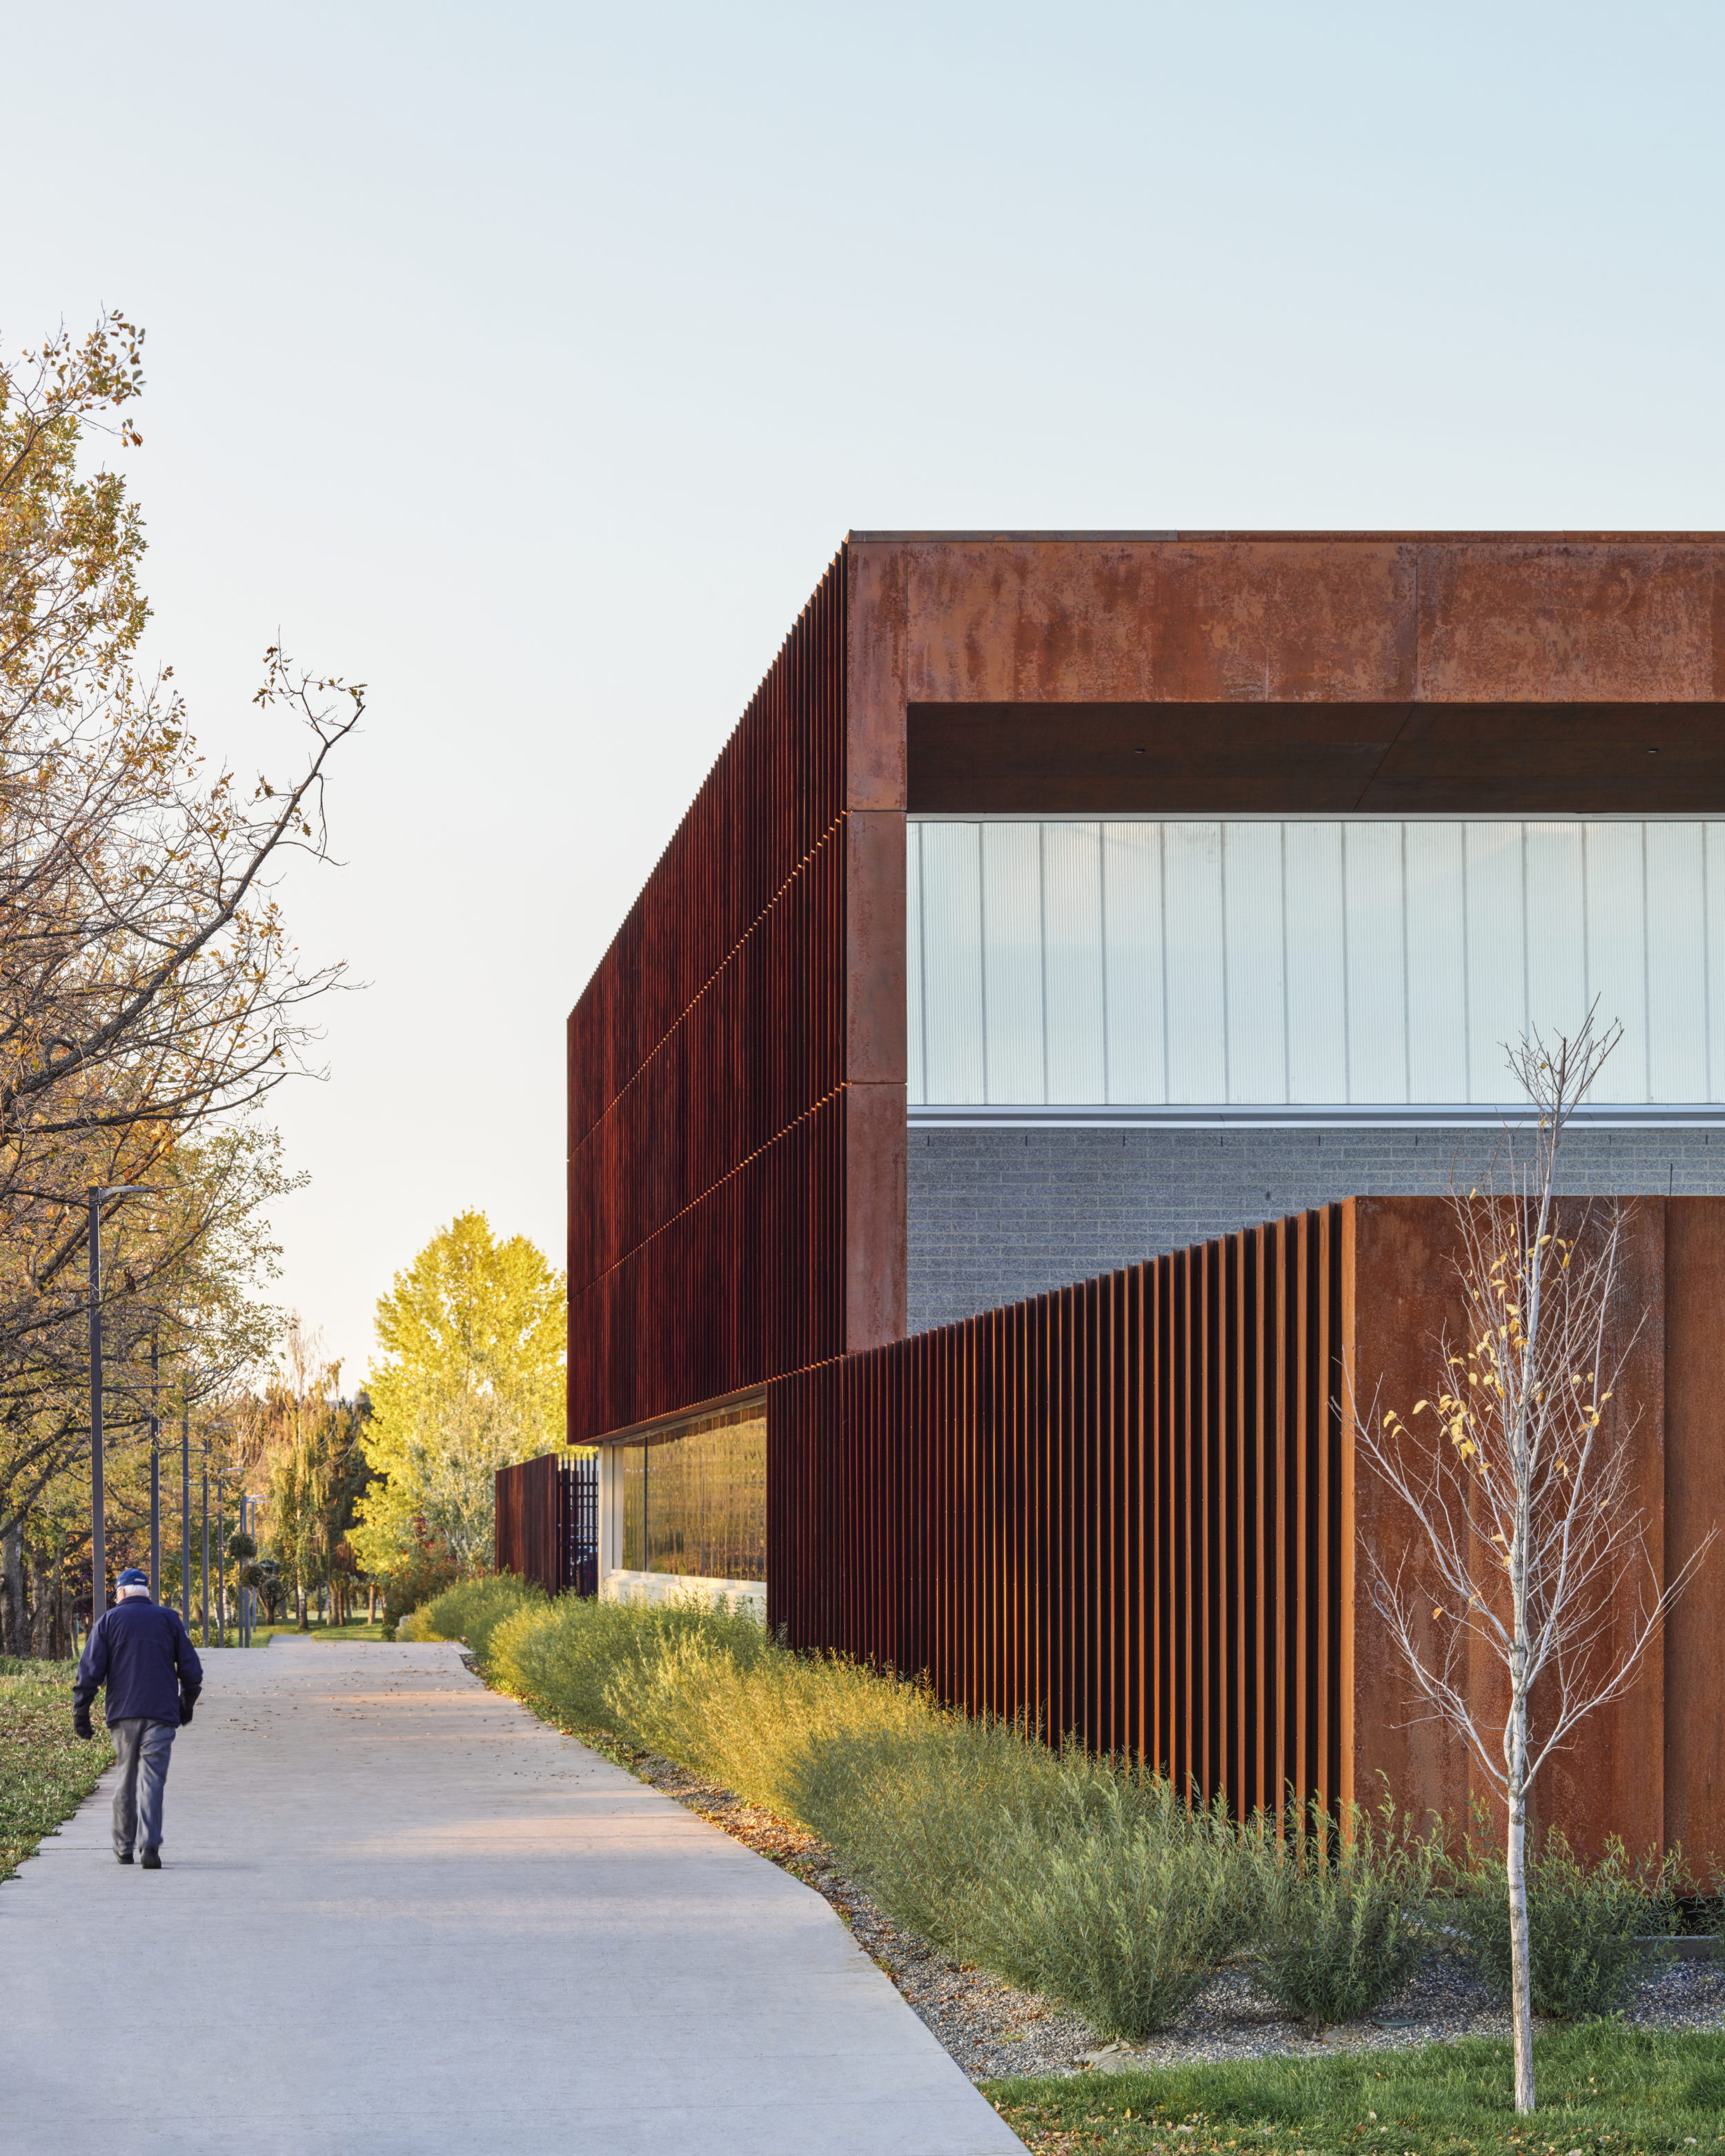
312,1443
474,1335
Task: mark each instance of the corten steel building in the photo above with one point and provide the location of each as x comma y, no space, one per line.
1017,1107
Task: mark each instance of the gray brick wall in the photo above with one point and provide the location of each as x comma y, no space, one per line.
997,1215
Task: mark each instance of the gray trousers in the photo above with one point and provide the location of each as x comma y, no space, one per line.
144,1748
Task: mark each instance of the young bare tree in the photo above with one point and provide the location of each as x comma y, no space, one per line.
1521,1483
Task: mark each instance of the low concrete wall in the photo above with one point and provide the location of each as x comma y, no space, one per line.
749,1594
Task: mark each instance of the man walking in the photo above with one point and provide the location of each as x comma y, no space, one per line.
145,1656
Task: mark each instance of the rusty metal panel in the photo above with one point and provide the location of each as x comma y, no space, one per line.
708,1131
1406,1295
547,1523
529,1537
1073,1510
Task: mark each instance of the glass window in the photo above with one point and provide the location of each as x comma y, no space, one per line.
695,1500
1341,962
632,1459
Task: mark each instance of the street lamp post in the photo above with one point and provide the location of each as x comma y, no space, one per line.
204,1576
185,1509
155,1472
221,1572
99,1195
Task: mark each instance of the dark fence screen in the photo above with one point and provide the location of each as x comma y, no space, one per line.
1116,1509
548,1522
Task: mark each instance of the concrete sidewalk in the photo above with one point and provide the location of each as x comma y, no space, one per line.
398,1917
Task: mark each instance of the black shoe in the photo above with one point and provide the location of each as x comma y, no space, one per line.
152,1860
123,1856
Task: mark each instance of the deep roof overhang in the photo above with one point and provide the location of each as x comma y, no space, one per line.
1325,673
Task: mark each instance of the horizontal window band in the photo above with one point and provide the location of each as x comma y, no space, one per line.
1634,1115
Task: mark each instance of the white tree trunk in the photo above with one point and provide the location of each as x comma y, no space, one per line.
1516,1865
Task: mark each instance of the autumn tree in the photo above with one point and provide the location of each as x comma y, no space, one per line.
148,988
1530,1550
185,1322
474,1335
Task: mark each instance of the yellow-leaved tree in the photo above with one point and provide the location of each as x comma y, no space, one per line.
473,1334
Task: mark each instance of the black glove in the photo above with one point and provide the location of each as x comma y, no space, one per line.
81,1723
188,1700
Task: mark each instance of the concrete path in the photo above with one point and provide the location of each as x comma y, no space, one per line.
398,1917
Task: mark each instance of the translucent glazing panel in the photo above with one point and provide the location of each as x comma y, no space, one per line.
1013,960
1677,964
1132,946
916,1083
1496,957
1257,1007
952,962
1072,962
1437,973
1557,912
1376,961
1194,961
1617,951
1317,962
1317,1012
706,1501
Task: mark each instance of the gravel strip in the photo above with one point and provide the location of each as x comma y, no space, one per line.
992,2030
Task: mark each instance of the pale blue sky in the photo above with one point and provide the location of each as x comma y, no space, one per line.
531,362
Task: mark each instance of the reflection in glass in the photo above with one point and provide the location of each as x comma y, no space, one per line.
694,1501
633,1461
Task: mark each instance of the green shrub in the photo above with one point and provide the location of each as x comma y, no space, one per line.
1588,1925
472,1610
1067,1874
1121,1908
567,1656
916,1800
1346,1909
918,1797
728,1701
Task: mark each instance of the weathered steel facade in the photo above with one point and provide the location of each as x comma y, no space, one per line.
723,1098
1132,1511
1117,1510
1069,1507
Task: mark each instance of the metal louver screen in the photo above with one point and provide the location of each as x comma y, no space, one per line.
1116,1511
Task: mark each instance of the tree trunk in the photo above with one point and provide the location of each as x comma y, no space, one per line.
12,1592
305,1621
1516,1864
371,1602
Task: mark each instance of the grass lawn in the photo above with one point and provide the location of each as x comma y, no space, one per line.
45,1771
1604,2090
360,1631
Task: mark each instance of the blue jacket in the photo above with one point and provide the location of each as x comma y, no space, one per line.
145,1656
